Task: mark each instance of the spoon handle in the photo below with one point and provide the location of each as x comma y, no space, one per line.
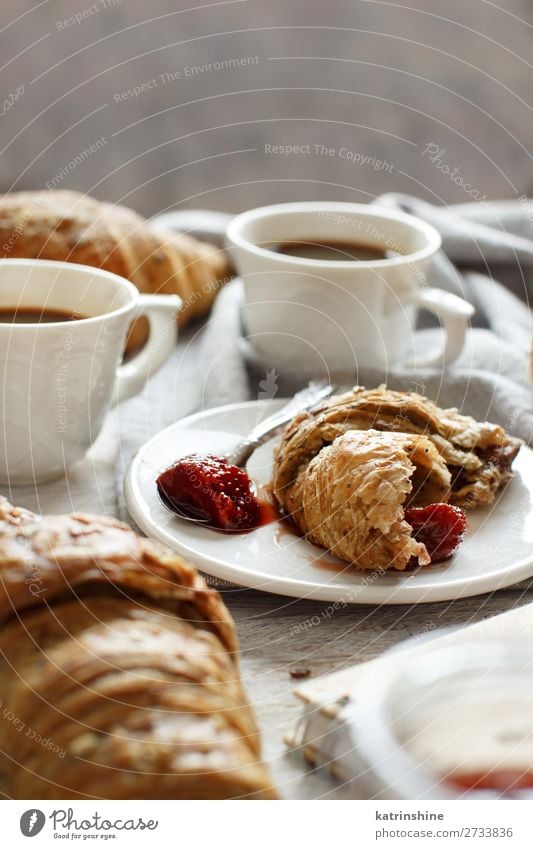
304,400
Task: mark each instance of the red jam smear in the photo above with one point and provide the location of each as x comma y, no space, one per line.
498,780
440,527
267,511
208,488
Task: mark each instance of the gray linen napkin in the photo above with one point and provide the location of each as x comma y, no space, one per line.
483,244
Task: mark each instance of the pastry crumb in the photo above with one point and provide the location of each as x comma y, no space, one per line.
300,672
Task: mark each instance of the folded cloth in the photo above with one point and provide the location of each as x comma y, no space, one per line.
483,244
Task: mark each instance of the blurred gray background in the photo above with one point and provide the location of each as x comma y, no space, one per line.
164,105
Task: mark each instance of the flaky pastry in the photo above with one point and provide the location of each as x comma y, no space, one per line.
478,454
119,669
350,497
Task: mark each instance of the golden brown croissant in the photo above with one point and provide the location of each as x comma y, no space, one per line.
350,497
72,227
119,669
478,454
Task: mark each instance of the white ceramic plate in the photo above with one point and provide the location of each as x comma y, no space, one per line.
497,550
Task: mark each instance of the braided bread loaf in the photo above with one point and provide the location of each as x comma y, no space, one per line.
72,227
119,669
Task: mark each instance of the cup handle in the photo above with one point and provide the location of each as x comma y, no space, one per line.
160,310
454,314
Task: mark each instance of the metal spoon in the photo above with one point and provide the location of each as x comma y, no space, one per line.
305,399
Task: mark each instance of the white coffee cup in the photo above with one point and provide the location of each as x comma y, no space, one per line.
310,316
59,378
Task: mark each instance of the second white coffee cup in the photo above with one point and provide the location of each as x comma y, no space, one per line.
308,316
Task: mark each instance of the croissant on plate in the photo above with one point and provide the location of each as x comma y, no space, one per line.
73,227
350,498
119,670
478,455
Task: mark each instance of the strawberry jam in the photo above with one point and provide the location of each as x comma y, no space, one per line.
440,527
211,490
